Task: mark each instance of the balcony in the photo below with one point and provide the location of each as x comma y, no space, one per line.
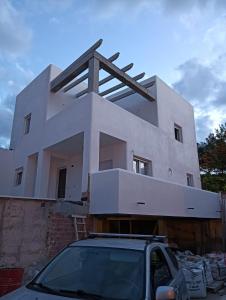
117,191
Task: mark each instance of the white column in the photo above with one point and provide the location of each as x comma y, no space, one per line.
30,175
129,157
91,148
43,173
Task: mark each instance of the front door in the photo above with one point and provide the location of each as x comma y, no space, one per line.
61,183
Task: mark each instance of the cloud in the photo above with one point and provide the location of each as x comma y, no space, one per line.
203,126
198,81
200,85
48,6
15,41
15,36
13,77
109,8
6,117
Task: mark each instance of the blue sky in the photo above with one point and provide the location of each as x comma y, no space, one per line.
183,42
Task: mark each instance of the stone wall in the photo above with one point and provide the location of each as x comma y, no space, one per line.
33,231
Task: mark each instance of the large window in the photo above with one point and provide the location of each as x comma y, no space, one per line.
178,133
142,166
18,176
27,123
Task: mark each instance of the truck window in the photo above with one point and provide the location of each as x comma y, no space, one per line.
160,272
172,257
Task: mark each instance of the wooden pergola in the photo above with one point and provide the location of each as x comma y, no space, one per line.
93,61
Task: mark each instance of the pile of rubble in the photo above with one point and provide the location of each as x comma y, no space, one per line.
203,273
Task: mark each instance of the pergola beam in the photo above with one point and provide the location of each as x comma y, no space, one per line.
127,92
93,80
110,77
119,86
85,76
76,68
105,80
123,77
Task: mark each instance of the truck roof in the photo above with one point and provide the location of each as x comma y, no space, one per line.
133,244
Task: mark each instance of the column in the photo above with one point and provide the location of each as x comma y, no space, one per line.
129,157
91,148
43,173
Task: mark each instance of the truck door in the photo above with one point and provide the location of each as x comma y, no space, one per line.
160,272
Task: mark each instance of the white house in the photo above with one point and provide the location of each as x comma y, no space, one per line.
126,152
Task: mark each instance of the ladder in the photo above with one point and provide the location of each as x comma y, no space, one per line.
80,227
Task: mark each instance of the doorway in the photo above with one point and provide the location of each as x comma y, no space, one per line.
62,176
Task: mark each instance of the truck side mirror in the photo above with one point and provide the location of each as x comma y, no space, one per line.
165,293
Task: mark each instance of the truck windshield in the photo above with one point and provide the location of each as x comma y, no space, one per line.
94,273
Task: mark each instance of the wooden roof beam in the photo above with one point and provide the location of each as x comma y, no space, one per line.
119,86
76,68
123,77
105,80
127,92
85,76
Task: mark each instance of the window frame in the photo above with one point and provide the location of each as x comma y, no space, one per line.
147,166
190,178
180,133
18,176
27,123
152,287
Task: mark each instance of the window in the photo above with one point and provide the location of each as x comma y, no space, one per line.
119,274
142,166
190,181
160,273
18,176
178,133
172,257
27,124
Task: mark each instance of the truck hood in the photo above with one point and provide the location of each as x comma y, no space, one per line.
27,294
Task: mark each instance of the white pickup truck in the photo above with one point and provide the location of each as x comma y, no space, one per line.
110,267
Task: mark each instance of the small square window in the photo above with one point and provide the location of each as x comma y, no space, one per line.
27,124
190,181
142,166
178,133
18,176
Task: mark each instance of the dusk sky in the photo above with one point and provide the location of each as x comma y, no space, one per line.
181,41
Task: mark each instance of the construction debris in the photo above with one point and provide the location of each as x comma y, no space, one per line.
203,273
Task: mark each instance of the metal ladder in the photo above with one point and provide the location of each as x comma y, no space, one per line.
80,227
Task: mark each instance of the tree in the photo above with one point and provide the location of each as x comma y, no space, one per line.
212,160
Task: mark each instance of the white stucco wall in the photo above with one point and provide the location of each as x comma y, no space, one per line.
57,117
139,106
150,142
119,192
172,108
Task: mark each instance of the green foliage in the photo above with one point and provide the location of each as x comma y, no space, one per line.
212,160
